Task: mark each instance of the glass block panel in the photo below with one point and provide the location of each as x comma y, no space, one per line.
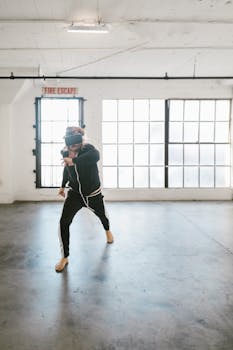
175,177
141,132
110,177
58,131
125,155
223,110
175,155
191,154
156,132
191,132
176,110
125,130
141,177
206,132
206,176
156,154
222,132
109,110
207,110
141,155
46,132
223,155
206,154
141,110
191,176
156,177
125,110
109,132
222,177
125,177
191,110
157,110
109,155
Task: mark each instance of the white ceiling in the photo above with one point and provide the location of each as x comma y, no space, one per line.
147,38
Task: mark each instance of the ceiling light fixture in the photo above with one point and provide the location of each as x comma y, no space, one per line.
89,28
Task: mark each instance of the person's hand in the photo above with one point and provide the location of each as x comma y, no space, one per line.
68,161
61,192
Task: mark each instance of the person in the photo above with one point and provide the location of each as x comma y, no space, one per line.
81,174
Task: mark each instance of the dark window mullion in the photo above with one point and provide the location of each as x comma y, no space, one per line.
166,141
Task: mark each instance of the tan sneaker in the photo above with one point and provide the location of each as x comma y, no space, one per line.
61,264
110,238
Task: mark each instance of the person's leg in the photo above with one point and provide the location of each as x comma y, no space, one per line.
97,204
71,206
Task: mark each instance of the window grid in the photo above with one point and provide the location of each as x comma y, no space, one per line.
167,124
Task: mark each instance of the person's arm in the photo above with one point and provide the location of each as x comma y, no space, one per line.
89,157
65,179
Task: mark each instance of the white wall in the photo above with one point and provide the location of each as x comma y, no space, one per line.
21,134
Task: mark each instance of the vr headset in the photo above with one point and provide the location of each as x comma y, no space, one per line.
73,139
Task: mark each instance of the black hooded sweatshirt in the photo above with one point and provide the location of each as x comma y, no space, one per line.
84,174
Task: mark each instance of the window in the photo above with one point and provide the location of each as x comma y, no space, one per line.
199,143
133,143
166,143
53,115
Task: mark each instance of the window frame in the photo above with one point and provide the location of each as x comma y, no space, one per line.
38,141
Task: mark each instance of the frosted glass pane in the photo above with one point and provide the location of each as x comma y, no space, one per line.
222,132
157,177
53,131
46,154
109,110
141,154
125,155
191,110
175,177
206,132
190,176
46,176
109,132
175,156
222,155
125,177
207,177
157,110
207,110
223,110
140,177
141,132
191,132
109,155
156,132
176,110
191,154
206,154
175,132
222,177
57,172
125,132
54,110
141,109
110,177
73,111
156,155
125,110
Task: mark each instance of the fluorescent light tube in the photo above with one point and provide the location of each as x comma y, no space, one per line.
98,28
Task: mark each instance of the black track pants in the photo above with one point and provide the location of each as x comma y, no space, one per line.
72,205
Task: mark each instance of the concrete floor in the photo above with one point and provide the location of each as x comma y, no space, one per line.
165,284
